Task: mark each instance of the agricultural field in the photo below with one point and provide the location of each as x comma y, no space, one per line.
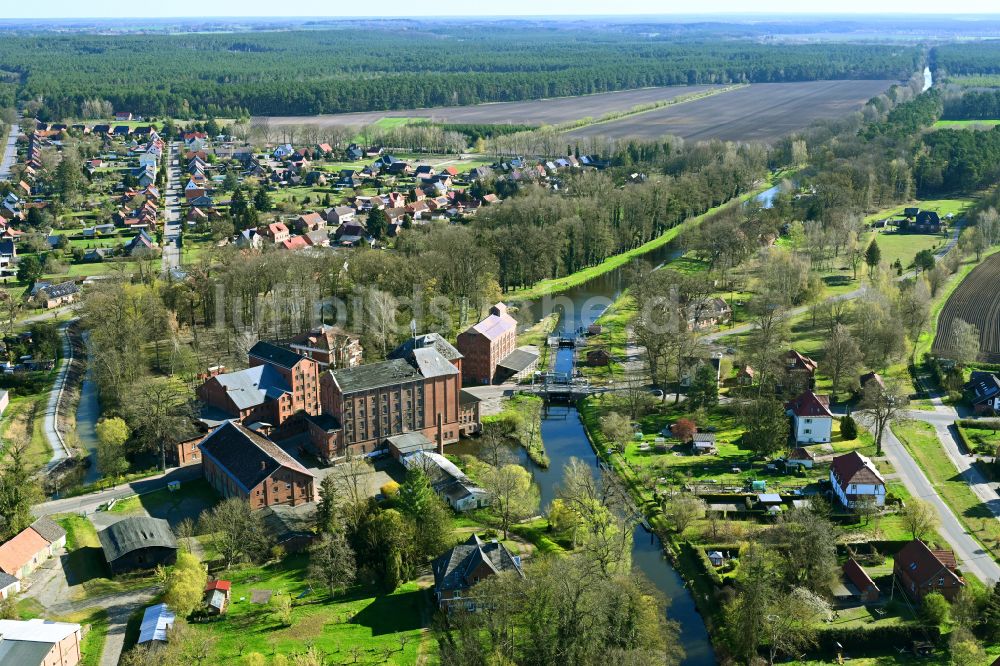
535,112
758,112
975,301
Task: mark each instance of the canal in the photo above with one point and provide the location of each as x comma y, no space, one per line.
564,437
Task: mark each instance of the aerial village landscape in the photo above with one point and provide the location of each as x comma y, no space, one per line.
604,376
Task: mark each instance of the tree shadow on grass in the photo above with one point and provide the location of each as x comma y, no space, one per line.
392,614
84,564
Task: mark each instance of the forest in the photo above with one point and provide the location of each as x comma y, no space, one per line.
973,105
310,72
967,58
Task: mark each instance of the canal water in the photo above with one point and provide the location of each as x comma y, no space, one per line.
564,437
87,413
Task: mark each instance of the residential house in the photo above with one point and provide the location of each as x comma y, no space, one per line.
446,479
40,642
487,343
138,542
309,222
184,453
249,238
295,243
350,233
856,480
329,346
140,242
465,565
55,295
800,457
8,253
340,215
812,420
800,371
983,392
277,232
707,313
238,462
920,570
870,377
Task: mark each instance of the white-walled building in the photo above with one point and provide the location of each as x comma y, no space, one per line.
812,421
855,479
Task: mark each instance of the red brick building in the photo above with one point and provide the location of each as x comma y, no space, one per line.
185,453
238,462
920,571
486,344
278,384
417,389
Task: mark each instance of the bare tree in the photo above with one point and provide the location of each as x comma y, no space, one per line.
882,405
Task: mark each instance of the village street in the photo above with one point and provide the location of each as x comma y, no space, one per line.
172,213
9,152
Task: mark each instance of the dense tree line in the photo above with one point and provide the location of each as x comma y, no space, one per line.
958,161
311,72
973,105
968,58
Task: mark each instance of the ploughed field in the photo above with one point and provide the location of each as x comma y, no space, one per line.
758,112
535,112
977,301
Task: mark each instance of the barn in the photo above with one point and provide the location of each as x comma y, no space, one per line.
138,542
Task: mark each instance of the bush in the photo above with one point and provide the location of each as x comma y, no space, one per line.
848,428
876,637
389,489
706,566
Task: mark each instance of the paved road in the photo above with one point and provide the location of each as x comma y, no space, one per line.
974,559
9,152
89,503
172,211
55,439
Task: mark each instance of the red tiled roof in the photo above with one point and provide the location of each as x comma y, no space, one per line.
921,564
18,551
810,405
800,362
223,585
855,468
858,576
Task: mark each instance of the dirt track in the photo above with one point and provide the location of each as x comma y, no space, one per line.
535,112
975,300
760,112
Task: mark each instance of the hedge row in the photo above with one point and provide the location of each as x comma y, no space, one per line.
701,557
875,637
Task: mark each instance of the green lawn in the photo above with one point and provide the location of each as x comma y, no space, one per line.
922,442
189,500
965,124
981,440
903,247
359,627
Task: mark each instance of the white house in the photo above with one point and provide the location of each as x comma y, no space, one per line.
812,420
855,479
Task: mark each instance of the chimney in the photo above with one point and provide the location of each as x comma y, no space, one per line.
263,465
440,434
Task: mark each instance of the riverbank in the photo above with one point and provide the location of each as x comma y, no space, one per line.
554,286
524,414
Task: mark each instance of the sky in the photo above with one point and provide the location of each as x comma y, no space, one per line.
404,8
